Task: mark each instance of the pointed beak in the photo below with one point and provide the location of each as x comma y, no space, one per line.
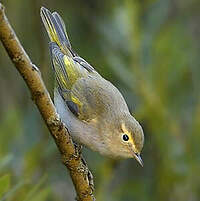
138,158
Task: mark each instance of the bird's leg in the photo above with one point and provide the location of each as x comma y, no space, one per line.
78,148
84,168
89,174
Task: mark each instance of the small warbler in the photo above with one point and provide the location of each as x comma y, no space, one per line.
93,109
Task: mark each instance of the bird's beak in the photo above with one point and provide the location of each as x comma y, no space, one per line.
138,158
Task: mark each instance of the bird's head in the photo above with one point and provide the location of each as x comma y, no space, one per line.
126,139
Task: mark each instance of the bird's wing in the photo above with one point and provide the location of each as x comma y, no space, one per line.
73,74
67,69
87,94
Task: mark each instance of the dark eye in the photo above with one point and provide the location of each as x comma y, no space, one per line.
125,137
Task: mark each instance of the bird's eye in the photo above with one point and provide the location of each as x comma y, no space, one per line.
125,137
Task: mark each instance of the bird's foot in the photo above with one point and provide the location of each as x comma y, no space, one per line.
78,148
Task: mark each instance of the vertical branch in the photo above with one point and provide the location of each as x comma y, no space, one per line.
71,158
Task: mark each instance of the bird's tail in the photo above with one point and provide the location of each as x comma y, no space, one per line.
56,30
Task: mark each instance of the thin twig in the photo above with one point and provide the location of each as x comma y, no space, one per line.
71,158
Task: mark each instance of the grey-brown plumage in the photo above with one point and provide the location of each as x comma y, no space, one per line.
92,108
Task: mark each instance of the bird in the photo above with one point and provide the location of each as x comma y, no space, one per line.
92,108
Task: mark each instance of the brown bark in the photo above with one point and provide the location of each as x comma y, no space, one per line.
71,158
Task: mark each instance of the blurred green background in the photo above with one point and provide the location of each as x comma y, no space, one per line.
150,51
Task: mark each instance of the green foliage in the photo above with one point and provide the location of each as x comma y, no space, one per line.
4,184
150,51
